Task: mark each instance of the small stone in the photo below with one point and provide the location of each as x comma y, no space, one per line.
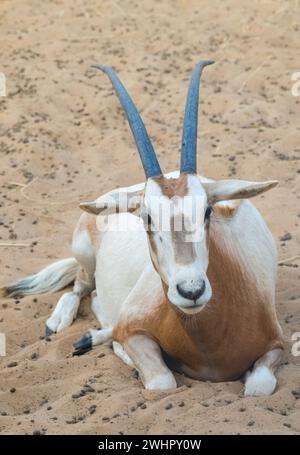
74,420
92,409
169,406
285,237
12,364
88,388
135,374
12,390
296,393
251,423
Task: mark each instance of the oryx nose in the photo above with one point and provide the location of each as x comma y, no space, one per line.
191,292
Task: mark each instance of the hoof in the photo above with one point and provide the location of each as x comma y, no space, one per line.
83,345
81,351
49,332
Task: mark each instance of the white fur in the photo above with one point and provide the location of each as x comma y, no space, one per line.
261,381
100,336
147,358
118,270
65,312
122,354
83,250
48,280
67,307
162,381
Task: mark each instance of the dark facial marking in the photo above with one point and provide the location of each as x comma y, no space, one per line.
184,250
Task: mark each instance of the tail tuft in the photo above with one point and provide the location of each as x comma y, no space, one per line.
50,279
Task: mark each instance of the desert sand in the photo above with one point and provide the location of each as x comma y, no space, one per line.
64,139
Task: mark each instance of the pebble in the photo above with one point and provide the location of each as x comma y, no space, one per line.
285,237
92,409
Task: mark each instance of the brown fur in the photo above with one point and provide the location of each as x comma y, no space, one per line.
173,187
228,210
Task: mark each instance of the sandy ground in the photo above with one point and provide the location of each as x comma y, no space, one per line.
64,140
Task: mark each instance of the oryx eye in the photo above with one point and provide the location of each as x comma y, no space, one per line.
207,212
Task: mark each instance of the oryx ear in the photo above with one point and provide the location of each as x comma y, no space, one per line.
115,202
223,190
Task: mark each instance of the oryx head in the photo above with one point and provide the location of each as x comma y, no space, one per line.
176,212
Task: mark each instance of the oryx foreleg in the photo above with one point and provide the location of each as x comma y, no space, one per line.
146,356
66,308
261,379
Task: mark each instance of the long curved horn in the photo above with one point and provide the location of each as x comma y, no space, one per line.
150,163
190,125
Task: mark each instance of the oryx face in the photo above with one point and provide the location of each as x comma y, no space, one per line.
176,216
